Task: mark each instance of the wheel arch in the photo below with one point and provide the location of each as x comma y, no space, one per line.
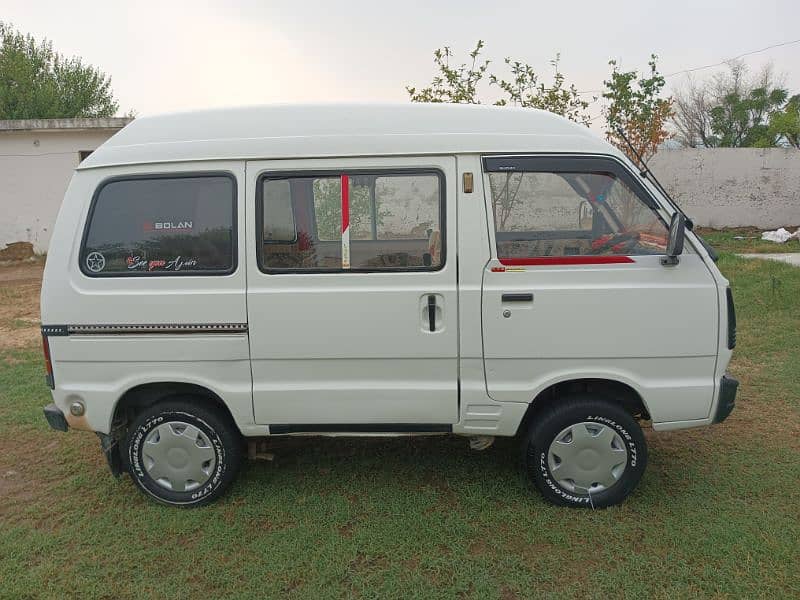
144,395
620,392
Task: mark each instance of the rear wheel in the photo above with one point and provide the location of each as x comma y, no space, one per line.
585,451
181,453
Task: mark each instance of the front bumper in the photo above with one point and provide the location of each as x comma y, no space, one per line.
727,398
55,418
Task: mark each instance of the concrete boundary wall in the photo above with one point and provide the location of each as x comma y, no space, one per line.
731,187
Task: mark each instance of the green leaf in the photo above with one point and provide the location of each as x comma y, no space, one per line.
38,83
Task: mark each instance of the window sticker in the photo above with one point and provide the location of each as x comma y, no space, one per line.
168,226
95,262
178,263
345,222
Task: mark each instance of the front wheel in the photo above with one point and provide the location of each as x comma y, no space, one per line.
585,451
181,453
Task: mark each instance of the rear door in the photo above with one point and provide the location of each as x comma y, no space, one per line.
352,302
153,288
576,289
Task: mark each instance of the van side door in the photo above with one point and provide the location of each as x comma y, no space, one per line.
352,299
575,288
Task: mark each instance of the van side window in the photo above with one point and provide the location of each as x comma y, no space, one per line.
177,225
394,221
567,213
278,216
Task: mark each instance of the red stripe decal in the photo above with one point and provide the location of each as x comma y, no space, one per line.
566,260
345,203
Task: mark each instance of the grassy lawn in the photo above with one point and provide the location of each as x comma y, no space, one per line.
746,240
716,513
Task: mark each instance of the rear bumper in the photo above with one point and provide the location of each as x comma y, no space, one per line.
727,398
55,418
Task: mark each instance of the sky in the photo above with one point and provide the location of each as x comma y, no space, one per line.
170,55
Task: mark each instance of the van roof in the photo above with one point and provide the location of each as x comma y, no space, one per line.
328,130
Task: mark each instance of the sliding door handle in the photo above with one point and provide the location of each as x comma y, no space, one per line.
517,297
432,312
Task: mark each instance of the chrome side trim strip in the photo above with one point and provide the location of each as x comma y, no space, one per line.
150,329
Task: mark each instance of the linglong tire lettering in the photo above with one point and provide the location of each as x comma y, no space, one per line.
558,419
223,440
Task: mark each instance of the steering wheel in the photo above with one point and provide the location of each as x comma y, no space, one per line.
610,242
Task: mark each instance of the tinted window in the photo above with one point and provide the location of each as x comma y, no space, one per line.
395,221
571,213
278,216
175,225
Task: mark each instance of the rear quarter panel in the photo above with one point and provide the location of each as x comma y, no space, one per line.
99,369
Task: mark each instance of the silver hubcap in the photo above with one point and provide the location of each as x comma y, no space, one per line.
178,456
587,458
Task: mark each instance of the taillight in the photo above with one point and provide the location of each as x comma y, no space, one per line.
731,319
48,364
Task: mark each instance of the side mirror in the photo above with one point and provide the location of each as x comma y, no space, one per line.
677,232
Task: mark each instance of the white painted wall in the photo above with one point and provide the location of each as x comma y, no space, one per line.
729,187
35,169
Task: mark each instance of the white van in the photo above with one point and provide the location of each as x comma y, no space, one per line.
222,276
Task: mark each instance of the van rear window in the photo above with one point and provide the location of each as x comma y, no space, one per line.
176,225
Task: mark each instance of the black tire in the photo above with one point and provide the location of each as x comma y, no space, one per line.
224,445
573,410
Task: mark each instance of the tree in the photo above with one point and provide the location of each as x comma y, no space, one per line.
730,109
526,91
784,125
37,82
459,85
743,120
692,115
636,108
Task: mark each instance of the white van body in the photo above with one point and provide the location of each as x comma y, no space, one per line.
462,341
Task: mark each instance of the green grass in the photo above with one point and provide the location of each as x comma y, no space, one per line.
716,513
21,324
746,240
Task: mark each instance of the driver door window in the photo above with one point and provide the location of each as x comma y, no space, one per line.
571,213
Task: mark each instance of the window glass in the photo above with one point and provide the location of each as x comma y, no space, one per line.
278,215
328,207
407,207
395,222
327,193
179,225
563,214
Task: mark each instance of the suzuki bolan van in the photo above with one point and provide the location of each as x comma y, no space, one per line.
217,278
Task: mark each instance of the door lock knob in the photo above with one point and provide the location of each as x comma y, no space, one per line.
506,313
